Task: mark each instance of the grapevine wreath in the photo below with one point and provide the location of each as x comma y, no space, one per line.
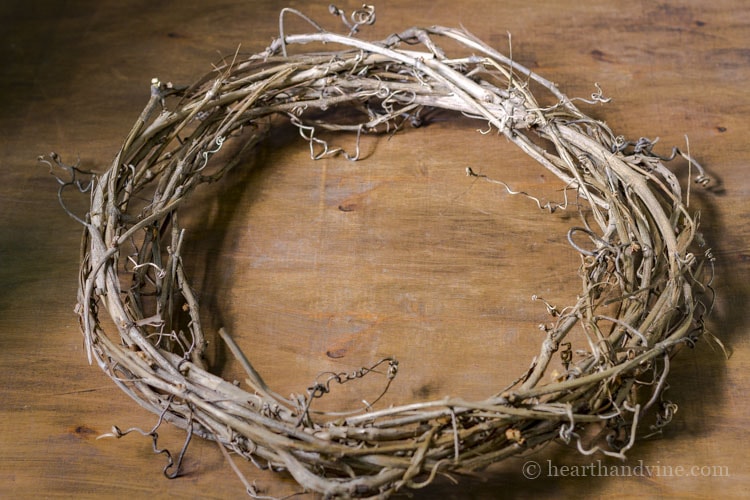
641,280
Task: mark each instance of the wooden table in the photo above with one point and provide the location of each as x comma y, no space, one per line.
421,261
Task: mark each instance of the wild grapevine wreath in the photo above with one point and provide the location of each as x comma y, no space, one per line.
639,299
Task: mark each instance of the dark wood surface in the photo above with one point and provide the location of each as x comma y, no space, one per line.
331,265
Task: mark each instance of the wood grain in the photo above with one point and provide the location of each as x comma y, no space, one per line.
330,265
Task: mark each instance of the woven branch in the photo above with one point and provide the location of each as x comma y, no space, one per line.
639,299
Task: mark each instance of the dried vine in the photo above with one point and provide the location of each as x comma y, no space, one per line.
640,291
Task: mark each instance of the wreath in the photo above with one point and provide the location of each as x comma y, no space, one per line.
642,278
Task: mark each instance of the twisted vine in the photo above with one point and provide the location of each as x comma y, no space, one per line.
640,297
